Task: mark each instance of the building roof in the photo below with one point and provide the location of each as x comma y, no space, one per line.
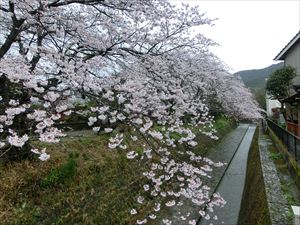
281,55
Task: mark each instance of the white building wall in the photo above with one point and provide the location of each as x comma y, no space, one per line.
270,104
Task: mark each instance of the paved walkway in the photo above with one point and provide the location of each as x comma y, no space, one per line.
231,184
226,151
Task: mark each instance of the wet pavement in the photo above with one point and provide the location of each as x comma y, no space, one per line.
231,185
233,149
224,152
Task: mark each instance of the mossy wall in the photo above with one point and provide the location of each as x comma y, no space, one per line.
254,209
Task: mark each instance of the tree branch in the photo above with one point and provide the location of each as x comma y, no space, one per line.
4,9
14,32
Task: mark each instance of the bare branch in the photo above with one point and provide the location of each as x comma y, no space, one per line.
4,9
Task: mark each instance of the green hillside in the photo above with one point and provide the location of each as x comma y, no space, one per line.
257,78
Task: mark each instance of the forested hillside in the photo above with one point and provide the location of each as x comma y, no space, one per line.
256,80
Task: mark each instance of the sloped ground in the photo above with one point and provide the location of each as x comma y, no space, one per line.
83,183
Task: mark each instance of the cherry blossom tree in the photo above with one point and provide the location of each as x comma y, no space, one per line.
142,64
231,97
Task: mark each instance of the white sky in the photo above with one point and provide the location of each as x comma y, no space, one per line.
251,33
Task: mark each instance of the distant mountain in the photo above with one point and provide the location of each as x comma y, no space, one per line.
256,79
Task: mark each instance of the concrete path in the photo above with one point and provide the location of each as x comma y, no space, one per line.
231,185
223,152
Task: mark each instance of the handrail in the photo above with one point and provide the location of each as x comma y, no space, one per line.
283,129
291,141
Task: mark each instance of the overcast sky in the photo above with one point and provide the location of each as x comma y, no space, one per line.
251,33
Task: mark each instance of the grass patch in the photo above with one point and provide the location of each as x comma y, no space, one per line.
83,183
221,123
276,156
60,175
287,194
